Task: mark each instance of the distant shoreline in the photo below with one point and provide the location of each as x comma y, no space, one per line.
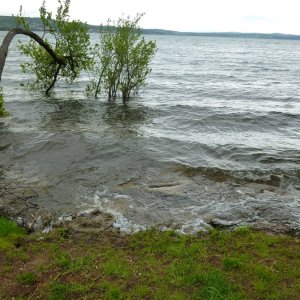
226,34
7,22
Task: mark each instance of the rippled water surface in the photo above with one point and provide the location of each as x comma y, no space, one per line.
212,139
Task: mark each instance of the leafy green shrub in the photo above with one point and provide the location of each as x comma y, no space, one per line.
72,42
122,60
3,112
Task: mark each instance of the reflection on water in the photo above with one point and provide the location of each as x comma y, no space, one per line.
66,114
127,116
85,114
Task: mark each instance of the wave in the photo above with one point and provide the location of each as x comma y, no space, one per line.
276,177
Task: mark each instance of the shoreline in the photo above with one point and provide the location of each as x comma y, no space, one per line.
245,209
96,221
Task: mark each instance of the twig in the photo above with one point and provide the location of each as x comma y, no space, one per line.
30,297
34,219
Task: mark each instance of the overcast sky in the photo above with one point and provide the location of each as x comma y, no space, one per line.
267,16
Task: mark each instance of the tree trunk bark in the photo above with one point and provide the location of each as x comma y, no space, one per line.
9,37
126,96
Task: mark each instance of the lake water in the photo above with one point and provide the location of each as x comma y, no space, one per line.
214,138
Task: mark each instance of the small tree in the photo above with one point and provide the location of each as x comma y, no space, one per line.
65,58
70,41
124,57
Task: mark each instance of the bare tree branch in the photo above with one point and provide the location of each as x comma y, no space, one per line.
9,37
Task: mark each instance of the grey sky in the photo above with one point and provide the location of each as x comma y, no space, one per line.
189,15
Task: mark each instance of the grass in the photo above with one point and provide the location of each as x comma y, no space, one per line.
242,264
28,278
10,229
10,232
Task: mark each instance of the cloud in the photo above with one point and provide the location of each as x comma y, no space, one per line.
188,15
258,19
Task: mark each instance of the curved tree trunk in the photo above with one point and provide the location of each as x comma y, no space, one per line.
9,37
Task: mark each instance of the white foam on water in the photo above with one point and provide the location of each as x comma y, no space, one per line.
193,226
228,207
104,201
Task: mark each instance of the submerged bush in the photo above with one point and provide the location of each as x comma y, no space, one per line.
120,63
122,60
3,112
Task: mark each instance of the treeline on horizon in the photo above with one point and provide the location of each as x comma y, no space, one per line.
7,22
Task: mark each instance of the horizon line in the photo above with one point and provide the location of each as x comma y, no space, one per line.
190,32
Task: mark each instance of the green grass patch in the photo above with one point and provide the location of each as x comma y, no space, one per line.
27,278
10,232
115,264
216,287
63,260
231,263
9,228
61,290
112,291
240,264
